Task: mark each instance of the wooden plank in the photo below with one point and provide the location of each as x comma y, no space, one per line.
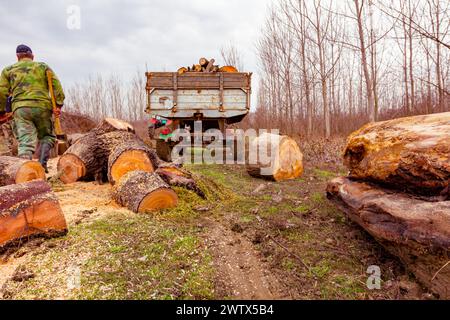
198,80
195,100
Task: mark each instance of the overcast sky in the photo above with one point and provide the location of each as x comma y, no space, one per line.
124,36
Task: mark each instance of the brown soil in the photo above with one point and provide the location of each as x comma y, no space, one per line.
240,272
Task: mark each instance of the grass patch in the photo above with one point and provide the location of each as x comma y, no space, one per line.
318,197
322,269
298,236
123,257
247,218
324,174
302,209
270,211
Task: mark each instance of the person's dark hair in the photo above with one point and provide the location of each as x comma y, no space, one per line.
24,51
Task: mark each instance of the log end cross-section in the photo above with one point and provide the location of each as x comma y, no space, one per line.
27,210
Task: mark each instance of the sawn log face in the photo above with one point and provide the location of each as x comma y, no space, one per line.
283,153
29,209
150,162
13,169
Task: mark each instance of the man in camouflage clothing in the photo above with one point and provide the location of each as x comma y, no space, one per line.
26,81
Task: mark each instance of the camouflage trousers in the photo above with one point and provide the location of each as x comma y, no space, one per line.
33,125
6,140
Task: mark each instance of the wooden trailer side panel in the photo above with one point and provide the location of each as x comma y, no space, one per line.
213,95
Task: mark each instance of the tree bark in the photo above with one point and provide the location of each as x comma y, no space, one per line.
29,209
72,138
284,159
15,170
142,192
416,231
408,154
365,67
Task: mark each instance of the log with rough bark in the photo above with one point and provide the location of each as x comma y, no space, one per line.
177,177
410,154
142,192
415,230
88,158
203,62
84,159
15,170
27,210
284,159
130,156
80,161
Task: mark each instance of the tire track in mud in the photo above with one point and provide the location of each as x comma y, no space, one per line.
240,273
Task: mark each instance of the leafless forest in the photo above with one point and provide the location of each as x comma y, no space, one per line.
326,67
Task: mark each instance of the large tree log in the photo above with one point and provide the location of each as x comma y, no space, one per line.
15,170
409,153
87,159
142,192
416,231
29,209
80,161
131,156
286,159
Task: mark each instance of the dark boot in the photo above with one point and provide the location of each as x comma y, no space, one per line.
26,156
45,155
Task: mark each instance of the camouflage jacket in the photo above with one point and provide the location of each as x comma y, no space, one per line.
26,81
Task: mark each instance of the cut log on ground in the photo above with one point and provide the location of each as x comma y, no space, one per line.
141,192
131,156
416,231
87,159
110,125
27,210
284,158
177,177
408,154
15,170
81,160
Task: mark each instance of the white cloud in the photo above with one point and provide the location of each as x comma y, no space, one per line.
122,36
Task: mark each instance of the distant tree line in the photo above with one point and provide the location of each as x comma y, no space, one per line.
329,66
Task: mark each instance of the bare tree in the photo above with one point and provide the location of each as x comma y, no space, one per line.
232,57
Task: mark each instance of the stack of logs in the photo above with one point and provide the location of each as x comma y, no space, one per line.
142,182
28,207
399,191
205,65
